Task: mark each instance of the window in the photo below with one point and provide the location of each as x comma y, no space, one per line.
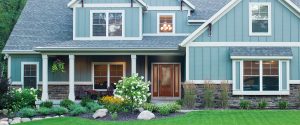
29,75
107,23
260,19
106,74
166,23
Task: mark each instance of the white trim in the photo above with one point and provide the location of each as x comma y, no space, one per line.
37,72
133,64
269,33
234,75
189,4
142,3
74,23
260,76
173,22
45,78
9,67
212,81
261,92
91,5
280,75
187,63
261,57
107,37
72,77
212,20
71,3
166,8
246,44
57,83
241,75
146,68
108,72
294,82
197,21
19,52
152,52
165,34
292,6
141,22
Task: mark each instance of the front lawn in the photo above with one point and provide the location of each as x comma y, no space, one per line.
213,117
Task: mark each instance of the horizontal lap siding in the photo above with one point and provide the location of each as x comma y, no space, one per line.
82,19
209,63
234,26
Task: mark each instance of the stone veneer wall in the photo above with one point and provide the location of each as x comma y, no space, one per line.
235,100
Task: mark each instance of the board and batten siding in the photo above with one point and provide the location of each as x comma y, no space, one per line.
82,20
209,63
234,26
107,1
181,22
148,2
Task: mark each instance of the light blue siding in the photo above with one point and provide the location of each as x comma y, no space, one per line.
181,25
210,63
284,78
234,26
162,2
295,64
82,21
107,1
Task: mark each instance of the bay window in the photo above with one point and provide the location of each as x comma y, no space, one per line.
108,23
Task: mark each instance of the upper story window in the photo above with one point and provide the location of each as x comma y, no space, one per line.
260,19
166,22
107,23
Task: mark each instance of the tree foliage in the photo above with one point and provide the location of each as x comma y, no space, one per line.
9,14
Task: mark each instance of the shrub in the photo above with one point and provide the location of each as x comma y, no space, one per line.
245,104
19,98
85,100
66,103
112,104
114,116
44,111
27,112
59,110
164,110
189,97
283,104
134,90
77,110
150,107
208,91
93,106
47,104
262,104
179,102
224,95
174,107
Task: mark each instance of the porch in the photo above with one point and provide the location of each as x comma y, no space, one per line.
96,75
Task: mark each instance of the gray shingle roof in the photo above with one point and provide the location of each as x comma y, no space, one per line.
297,2
261,51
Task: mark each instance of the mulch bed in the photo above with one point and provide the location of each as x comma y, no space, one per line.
123,116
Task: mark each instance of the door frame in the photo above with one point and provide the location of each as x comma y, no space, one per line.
37,72
166,98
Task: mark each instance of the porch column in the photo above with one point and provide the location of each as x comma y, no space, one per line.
71,77
45,78
133,64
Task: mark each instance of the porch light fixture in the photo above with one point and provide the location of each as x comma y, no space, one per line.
166,27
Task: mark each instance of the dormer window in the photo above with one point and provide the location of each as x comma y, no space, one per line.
166,22
108,23
260,19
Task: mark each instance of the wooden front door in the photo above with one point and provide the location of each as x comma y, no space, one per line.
166,80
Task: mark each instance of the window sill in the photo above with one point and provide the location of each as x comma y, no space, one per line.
285,92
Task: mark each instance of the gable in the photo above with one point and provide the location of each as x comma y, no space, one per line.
233,26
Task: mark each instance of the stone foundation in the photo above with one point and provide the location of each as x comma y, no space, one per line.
235,100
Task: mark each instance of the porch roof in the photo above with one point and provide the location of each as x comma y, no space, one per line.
261,51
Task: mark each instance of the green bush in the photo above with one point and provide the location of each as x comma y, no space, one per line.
224,96
59,110
66,103
245,104
174,107
189,97
27,112
77,110
44,111
208,91
114,116
283,104
47,104
262,104
179,102
19,98
150,107
93,106
86,100
164,110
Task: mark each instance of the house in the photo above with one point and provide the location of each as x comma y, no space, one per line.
254,45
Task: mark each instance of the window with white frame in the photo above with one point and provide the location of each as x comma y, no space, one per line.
106,74
107,23
29,74
260,19
166,23
261,75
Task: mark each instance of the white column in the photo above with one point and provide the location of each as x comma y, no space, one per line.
9,67
71,77
146,69
133,64
45,78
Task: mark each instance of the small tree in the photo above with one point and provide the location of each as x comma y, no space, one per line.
133,90
209,98
189,97
224,95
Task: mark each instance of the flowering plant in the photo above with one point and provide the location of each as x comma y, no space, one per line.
111,103
20,98
133,90
58,66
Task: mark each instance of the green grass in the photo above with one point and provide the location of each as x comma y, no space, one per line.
213,117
